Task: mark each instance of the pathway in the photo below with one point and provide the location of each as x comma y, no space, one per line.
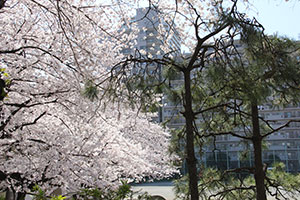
164,189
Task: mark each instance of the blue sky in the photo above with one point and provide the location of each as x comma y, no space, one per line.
278,16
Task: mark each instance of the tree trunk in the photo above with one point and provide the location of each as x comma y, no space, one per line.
21,196
12,195
9,194
189,118
259,174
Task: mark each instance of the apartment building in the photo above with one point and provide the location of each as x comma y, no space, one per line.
231,152
149,41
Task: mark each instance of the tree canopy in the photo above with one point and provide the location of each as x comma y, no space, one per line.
50,134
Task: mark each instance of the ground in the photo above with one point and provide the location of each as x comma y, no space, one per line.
164,189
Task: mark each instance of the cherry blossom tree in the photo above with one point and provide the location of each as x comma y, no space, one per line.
76,146
50,134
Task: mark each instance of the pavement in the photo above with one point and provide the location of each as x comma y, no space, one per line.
164,189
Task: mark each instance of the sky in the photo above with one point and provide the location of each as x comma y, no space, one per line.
278,16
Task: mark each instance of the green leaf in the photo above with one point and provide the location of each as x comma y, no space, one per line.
59,197
90,90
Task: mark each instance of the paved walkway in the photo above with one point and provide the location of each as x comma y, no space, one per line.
164,189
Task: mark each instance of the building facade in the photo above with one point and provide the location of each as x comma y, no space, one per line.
229,152
150,37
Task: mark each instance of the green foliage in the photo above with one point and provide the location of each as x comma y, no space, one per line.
2,72
2,196
266,70
3,83
227,185
91,193
90,90
123,192
177,141
174,95
282,184
171,73
181,188
274,66
39,193
59,197
146,196
173,86
214,184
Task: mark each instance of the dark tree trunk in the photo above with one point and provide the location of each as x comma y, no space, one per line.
189,118
12,195
21,196
2,3
9,194
259,174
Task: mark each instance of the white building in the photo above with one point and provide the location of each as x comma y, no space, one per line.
149,23
149,41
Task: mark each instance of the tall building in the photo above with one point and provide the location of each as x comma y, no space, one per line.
149,40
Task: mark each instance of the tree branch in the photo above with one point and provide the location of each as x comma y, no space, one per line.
14,51
279,128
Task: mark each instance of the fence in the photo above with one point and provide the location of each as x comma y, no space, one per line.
236,159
